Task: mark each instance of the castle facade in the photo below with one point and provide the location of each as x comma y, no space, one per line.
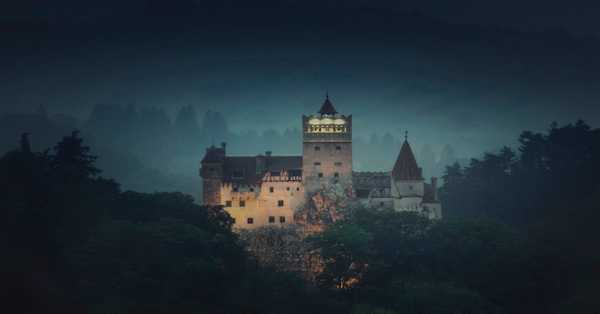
266,190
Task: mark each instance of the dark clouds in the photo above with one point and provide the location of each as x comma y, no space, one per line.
475,85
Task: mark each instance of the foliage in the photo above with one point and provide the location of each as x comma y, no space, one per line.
74,243
518,238
551,172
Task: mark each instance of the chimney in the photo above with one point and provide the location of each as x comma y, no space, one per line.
434,187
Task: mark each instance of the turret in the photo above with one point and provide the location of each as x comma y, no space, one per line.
408,186
211,172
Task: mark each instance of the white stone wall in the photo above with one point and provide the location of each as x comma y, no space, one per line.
408,204
407,188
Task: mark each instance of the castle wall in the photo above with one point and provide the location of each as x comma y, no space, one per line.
262,205
211,191
324,162
408,204
407,188
377,202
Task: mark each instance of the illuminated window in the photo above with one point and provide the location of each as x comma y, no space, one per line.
250,220
280,203
271,219
242,203
227,203
271,189
282,219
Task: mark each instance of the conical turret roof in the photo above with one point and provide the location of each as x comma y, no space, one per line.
327,107
406,167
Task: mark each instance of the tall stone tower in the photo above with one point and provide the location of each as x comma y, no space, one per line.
326,148
211,172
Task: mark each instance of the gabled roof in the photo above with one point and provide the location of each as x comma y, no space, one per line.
327,107
406,167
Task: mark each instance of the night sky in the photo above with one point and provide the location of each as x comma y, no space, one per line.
461,72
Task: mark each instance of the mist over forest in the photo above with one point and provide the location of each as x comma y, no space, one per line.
147,149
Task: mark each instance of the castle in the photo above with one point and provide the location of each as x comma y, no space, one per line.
266,190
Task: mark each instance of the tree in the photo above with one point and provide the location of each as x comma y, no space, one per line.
72,160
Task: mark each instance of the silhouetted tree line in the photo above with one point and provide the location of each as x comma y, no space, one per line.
551,176
74,243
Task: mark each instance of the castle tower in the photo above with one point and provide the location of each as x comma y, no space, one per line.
407,186
326,148
211,172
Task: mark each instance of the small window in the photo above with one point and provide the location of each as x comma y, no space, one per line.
317,148
338,147
337,175
235,189
282,219
233,220
320,174
297,189
317,163
287,189
227,203
338,163
280,203
271,189
410,187
251,189
250,220
242,203
381,204
271,219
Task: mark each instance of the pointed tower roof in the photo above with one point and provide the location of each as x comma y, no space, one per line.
327,107
406,167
